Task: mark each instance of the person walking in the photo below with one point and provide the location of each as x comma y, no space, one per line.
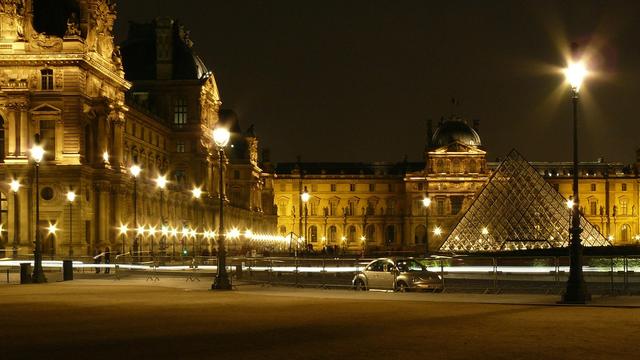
107,259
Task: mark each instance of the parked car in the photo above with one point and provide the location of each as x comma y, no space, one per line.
399,274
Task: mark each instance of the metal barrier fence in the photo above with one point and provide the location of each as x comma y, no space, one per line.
546,274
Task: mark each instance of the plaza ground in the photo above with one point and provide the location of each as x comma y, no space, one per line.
173,318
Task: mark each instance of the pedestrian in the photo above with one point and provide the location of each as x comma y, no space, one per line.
96,260
107,260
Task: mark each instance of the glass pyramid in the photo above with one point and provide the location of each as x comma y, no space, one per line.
517,210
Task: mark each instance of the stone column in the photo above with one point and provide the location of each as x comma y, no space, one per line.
117,152
102,188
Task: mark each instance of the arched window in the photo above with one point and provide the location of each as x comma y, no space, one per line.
390,234
625,233
420,237
473,167
333,234
313,233
352,234
371,233
455,166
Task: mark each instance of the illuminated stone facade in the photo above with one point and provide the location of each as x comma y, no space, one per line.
378,207
61,76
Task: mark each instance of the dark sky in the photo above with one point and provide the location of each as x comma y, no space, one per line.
351,80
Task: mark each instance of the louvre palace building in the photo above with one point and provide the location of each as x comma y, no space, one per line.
100,108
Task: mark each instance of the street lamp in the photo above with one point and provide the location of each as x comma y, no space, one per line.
305,199
426,202
221,137
135,172
14,185
161,183
576,292
37,153
196,193
71,197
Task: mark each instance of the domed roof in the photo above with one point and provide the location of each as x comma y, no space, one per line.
455,130
140,55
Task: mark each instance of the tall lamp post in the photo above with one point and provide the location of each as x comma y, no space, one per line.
576,292
221,137
15,186
37,153
426,202
71,197
196,193
135,172
305,199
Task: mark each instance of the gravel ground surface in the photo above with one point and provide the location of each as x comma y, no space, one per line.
173,318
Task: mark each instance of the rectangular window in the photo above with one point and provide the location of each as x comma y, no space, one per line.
352,187
332,208
333,187
180,146
283,187
48,138
314,188
623,207
593,207
456,204
47,79
420,186
390,187
312,209
372,187
440,207
180,112
593,187
624,187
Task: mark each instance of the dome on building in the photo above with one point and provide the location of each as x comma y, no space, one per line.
455,130
174,60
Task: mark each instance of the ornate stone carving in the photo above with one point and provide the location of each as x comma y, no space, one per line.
12,19
100,34
73,28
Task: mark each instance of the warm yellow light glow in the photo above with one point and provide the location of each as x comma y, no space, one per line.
485,231
140,230
437,231
426,202
233,233
152,230
248,234
193,233
135,170
105,156
575,74
174,232
37,153
343,238
221,136
161,181
123,229
52,228
71,196
570,204
611,238
324,238
14,185
185,231
164,230
197,192
363,238
305,196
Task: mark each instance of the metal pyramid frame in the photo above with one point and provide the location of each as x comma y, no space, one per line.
517,209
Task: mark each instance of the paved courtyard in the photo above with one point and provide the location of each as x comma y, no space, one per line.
101,319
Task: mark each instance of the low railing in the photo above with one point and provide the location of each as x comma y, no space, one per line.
546,274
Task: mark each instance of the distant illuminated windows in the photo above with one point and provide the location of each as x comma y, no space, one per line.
624,187
180,112
180,146
333,187
440,207
352,187
46,76
593,187
623,206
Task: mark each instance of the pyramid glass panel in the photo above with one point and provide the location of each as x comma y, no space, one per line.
520,210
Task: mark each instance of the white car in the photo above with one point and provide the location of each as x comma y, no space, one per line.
399,274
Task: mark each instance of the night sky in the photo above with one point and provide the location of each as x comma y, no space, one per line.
357,80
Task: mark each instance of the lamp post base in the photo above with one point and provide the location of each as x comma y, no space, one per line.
576,293
38,276
221,282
